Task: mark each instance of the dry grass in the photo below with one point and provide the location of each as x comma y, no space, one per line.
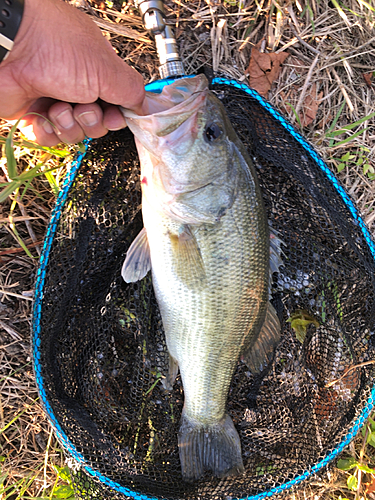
328,51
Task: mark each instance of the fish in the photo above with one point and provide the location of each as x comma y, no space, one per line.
206,240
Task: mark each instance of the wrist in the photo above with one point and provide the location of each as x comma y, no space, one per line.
11,12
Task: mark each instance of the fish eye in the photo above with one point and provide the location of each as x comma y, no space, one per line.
212,132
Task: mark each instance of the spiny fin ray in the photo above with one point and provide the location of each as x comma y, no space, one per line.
138,260
260,354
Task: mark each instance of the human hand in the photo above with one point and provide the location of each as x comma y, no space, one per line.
60,66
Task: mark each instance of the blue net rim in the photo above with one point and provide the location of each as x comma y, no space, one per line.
157,87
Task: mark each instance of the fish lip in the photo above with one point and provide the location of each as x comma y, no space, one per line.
193,103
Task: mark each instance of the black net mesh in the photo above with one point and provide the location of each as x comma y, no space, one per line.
101,344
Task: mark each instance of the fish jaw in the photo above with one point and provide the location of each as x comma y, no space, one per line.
194,203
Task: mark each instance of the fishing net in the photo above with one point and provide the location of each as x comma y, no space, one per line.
99,345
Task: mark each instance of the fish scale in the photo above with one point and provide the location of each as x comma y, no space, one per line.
208,244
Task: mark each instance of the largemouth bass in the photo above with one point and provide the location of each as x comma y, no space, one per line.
207,242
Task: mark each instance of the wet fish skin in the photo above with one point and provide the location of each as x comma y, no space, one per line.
208,241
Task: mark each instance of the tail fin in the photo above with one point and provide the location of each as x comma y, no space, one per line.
216,448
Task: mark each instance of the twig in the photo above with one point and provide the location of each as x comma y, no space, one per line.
313,49
248,38
293,17
20,250
355,51
305,85
343,90
29,227
360,365
119,29
344,58
19,218
10,330
15,295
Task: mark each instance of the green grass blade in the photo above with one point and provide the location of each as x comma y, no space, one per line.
61,153
13,420
38,174
350,126
295,114
9,153
311,14
52,182
335,120
19,239
6,192
16,371
365,4
27,185
348,139
29,174
341,12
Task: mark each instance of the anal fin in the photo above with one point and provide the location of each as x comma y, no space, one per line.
260,354
275,251
138,259
169,379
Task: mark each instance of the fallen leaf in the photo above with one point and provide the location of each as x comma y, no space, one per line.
299,321
263,69
370,487
310,106
290,97
325,404
368,78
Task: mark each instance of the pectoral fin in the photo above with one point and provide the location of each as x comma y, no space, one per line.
260,354
138,260
188,259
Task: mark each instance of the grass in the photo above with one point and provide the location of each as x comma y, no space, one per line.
331,48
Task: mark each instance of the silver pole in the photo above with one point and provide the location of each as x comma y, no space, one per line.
153,14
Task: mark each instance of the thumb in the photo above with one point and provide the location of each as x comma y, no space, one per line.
120,84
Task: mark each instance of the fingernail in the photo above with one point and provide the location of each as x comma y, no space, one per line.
88,118
113,129
117,124
65,119
47,127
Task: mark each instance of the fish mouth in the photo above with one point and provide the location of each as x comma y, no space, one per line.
163,113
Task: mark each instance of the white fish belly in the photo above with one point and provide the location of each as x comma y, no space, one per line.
208,323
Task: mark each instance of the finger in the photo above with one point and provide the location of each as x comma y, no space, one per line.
113,119
40,106
36,128
120,84
90,119
45,134
67,128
